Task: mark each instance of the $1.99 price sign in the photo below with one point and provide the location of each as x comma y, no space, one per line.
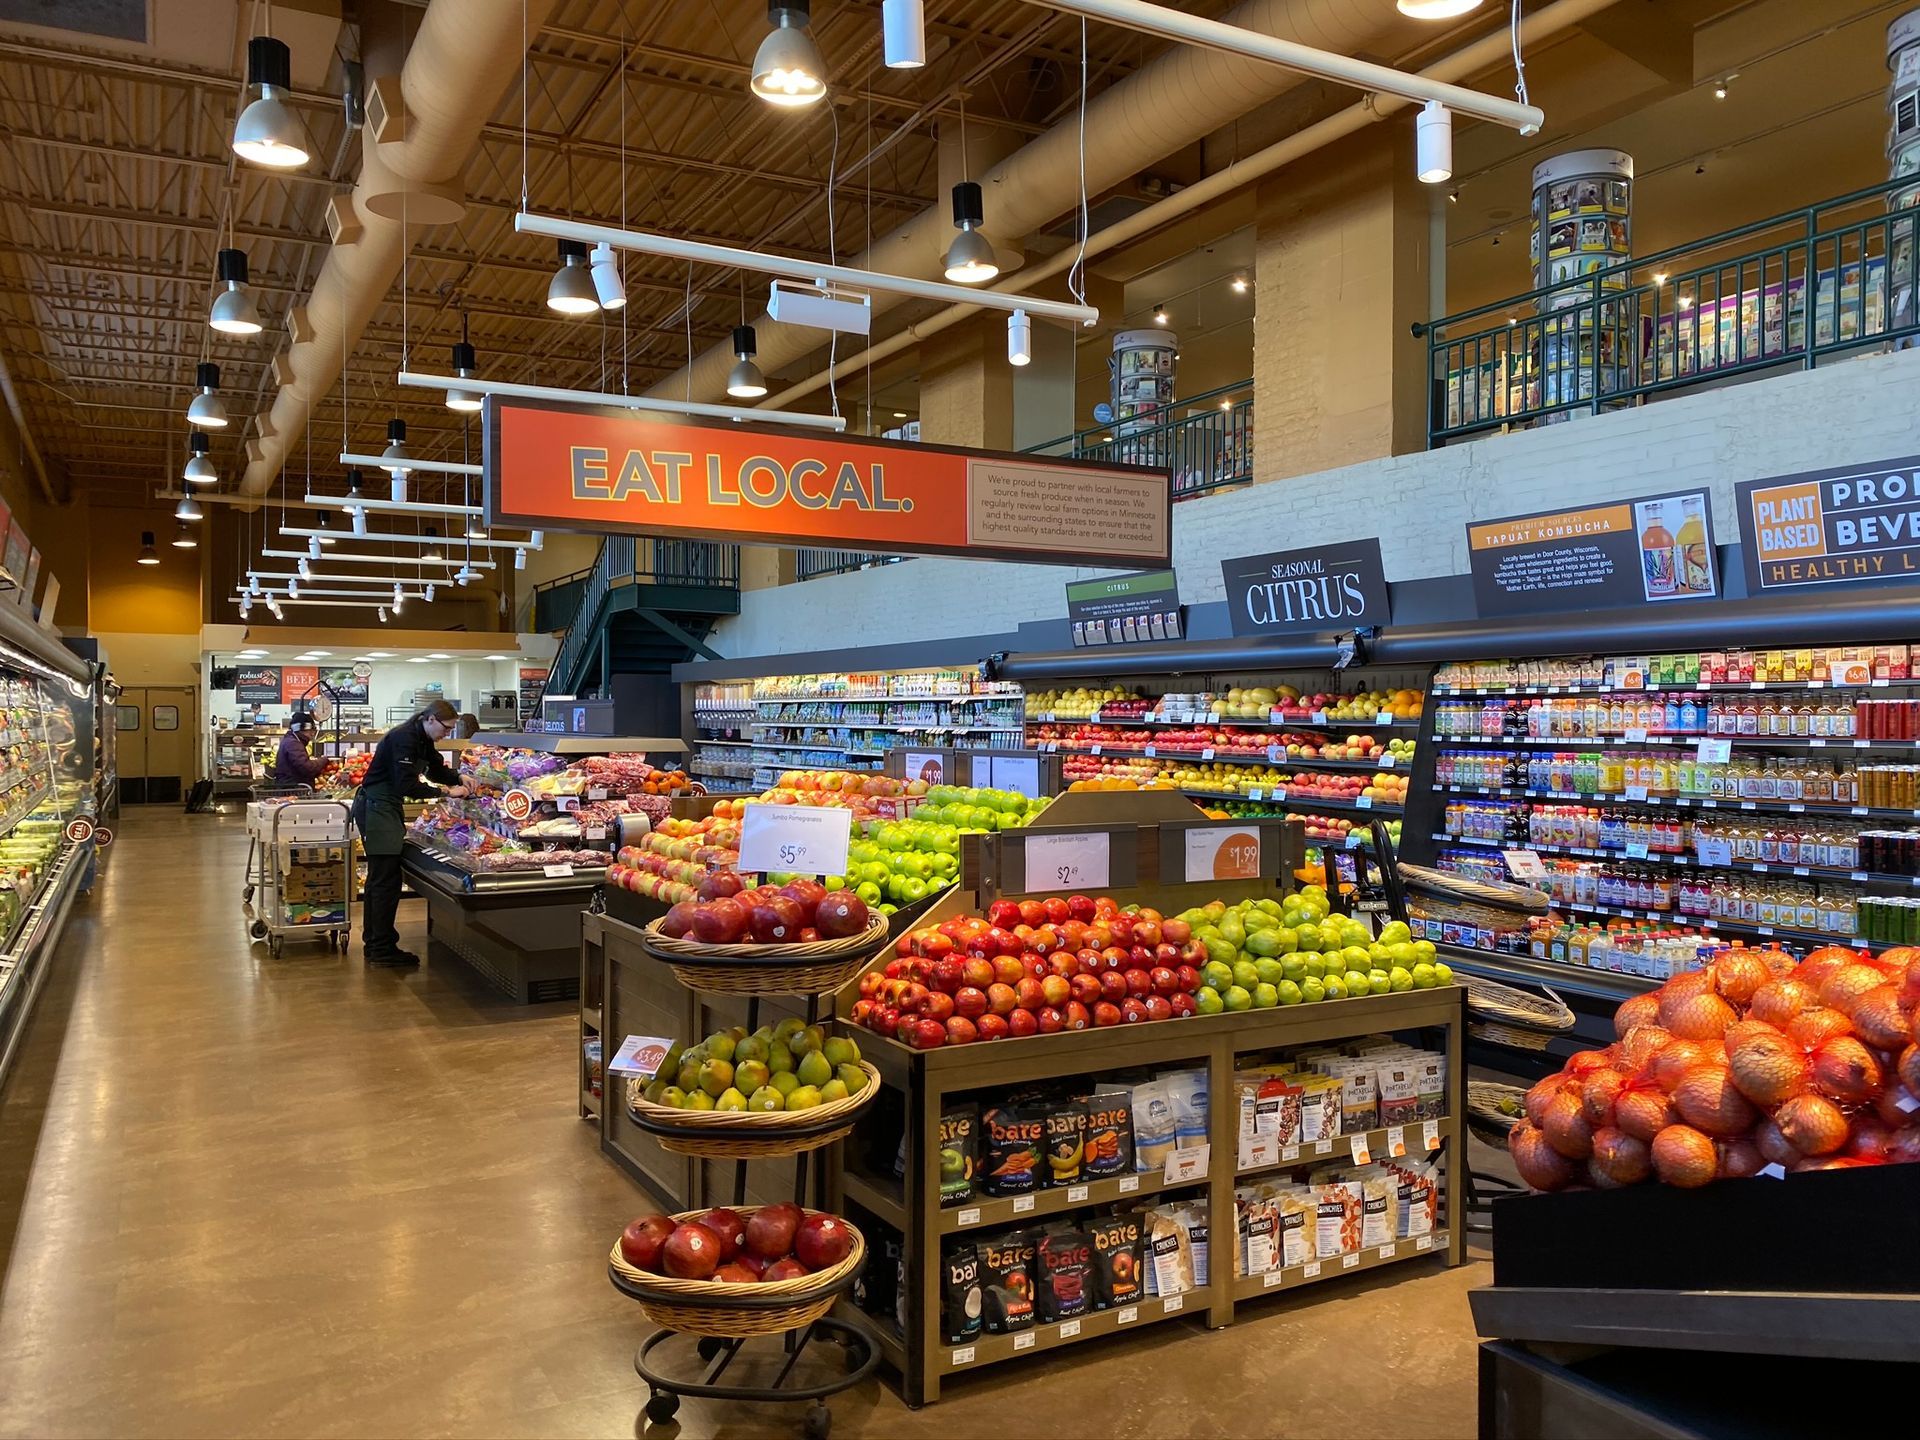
1076,861
795,839
1222,852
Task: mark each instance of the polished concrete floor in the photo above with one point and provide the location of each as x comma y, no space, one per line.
247,1196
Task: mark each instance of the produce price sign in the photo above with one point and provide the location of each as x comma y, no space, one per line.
1634,552
1124,609
1325,587
795,839
1857,525
599,468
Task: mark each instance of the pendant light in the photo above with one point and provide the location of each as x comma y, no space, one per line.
268,132
1019,338
207,411
970,257
1435,9
746,382
1433,143
608,288
571,291
465,363
187,510
903,29
199,470
147,555
787,68
183,539
233,310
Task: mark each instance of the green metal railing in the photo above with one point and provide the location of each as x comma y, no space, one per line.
1787,292
1207,442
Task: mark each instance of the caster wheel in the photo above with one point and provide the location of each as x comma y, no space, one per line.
818,1424
711,1346
662,1407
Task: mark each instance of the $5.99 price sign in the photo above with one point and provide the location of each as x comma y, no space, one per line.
795,839
1077,861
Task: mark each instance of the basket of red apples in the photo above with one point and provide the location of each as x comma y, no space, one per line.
757,1270
794,939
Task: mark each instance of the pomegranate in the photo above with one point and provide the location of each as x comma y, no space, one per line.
1699,1017
1597,1094
1620,1157
1813,1028
1774,1146
1540,1093
1643,1112
1879,1019
1683,1157
1540,1165
1566,1127
1738,1159
1738,975
1640,1010
1846,1070
1708,1100
1767,1067
1847,984
1812,1124
1778,1001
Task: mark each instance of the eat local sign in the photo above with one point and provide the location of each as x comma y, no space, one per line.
600,468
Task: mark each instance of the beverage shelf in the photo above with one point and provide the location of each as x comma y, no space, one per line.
1252,1287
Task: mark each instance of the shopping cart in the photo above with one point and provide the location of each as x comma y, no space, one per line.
300,864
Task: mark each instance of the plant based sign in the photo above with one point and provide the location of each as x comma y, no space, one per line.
598,469
1327,587
1855,525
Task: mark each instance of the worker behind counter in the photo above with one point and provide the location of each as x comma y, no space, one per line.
406,765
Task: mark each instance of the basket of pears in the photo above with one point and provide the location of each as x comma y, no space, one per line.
741,1095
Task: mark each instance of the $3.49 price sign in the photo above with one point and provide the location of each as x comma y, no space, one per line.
1222,852
795,839
1077,861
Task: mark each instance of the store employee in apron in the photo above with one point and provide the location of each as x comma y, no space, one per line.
403,762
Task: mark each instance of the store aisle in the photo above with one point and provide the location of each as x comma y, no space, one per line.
248,1196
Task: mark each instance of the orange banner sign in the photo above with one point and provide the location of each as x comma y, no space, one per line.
600,469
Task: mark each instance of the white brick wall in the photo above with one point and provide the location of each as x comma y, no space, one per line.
1418,505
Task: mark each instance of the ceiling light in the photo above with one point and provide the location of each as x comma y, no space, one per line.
465,362
1239,284
268,132
199,470
187,510
1019,338
183,539
571,291
746,382
1433,143
608,288
207,411
787,68
1435,9
233,310
970,259
903,27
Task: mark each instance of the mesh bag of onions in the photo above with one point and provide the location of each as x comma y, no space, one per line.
1756,1060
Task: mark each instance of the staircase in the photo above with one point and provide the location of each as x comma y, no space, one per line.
646,606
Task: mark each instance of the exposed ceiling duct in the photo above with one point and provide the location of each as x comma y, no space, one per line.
1173,101
464,55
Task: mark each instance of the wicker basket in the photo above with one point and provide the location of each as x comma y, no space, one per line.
813,967
711,1307
752,1135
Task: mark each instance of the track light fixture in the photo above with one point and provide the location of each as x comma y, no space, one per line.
1435,9
233,310
1433,143
199,470
608,288
207,411
268,132
970,258
465,363
147,555
746,382
571,291
903,25
787,68
187,510
1019,338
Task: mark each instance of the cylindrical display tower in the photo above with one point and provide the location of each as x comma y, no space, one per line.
1582,222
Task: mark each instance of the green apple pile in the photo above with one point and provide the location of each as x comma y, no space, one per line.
968,808
789,1066
1263,953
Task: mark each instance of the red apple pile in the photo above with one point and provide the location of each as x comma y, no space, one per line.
1033,967
730,913
776,1242
1756,1060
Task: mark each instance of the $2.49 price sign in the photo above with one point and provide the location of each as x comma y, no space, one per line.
795,839
1077,861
